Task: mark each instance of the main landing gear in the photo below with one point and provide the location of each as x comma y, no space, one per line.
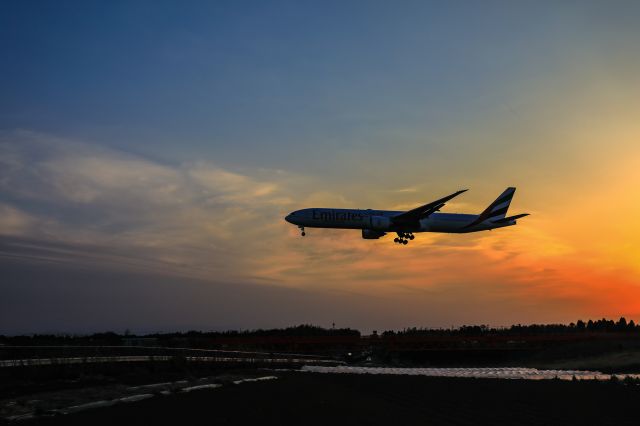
302,231
403,238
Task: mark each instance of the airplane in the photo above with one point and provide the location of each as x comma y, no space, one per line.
376,223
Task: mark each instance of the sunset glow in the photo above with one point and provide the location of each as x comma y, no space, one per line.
148,184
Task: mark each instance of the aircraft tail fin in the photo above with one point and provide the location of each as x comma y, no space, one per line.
498,209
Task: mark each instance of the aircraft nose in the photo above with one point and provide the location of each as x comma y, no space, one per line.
288,218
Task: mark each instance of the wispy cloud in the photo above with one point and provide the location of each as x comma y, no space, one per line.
67,202
182,215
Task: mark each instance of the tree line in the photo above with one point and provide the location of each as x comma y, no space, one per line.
601,326
306,330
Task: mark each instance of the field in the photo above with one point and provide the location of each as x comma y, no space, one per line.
324,399
192,378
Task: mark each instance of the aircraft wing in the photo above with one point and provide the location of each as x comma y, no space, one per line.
423,211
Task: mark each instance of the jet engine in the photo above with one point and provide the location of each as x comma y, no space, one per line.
369,234
379,223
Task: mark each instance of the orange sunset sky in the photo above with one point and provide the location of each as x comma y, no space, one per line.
149,152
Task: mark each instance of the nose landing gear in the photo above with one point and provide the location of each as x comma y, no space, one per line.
302,231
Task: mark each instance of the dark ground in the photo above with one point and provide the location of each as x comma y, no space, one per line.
339,399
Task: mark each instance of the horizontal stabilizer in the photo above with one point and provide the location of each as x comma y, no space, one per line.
510,218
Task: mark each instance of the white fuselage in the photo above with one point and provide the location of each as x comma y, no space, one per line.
367,219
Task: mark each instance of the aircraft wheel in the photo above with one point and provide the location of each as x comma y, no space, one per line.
303,234
411,237
396,240
405,242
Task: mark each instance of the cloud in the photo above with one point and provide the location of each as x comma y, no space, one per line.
183,215
228,186
14,221
80,205
196,219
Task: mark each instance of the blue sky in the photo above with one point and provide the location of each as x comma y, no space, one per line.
277,79
167,139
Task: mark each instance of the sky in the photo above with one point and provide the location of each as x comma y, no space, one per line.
149,151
